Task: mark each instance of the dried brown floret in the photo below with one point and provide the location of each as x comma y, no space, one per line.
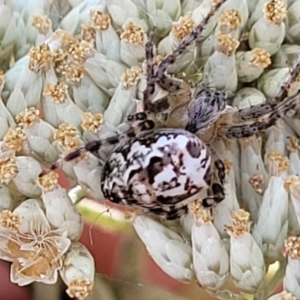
28,117
101,21
227,44
8,169
13,139
183,27
260,58
134,34
275,11
48,182
201,213
292,247
230,20
40,57
10,220
41,23
91,123
131,77
58,92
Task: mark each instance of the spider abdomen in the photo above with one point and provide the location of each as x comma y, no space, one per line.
157,170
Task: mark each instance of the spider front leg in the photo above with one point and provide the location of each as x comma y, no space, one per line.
93,146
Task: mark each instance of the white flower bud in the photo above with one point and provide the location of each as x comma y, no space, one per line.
292,185
39,134
7,200
269,31
78,271
241,6
26,93
66,110
286,56
133,39
25,180
210,257
291,280
188,6
271,227
124,99
200,12
247,267
168,249
276,138
251,64
219,70
223,210
293,15
205,50
89,97
107,40
247,97
88,174
121,12
6,120
253,175
105,73
60,211
162,14
8,30
80,12
256,8
271,81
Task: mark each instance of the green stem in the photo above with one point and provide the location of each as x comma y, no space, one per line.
268,288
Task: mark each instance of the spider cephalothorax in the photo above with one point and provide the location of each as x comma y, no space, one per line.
161,169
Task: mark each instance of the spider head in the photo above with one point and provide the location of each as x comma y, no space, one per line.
205,108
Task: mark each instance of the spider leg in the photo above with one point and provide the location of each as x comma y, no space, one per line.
253,120
186,42
216,191
259,124
265,108
98,144
176,88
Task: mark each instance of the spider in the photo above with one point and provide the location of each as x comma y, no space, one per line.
161,169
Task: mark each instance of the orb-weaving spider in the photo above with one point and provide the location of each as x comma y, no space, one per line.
160,168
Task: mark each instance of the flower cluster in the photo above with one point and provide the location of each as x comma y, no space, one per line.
72,73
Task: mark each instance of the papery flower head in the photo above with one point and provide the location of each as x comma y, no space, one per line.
27,240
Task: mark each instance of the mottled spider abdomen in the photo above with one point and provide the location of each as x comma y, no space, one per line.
157,170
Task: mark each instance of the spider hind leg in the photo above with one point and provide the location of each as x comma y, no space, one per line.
216,191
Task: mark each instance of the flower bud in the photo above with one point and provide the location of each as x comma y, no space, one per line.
78,271
210,257
60,211
247,267
168,249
